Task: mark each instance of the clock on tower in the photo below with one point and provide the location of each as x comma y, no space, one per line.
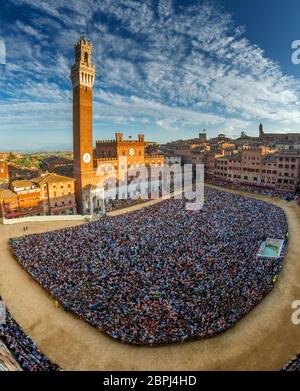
86,158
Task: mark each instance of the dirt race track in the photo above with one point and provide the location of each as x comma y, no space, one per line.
264,340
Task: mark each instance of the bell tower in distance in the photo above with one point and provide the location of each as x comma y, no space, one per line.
83,74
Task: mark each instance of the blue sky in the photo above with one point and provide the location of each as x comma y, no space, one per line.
168,68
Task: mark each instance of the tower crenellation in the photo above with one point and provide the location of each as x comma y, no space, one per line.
83,72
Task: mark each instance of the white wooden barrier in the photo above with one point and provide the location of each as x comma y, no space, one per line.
39,219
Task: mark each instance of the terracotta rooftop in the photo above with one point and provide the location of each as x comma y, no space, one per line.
270,158
52,178
57,159
22,183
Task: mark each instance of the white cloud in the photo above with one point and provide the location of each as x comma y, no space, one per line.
29,30
188,68
2,52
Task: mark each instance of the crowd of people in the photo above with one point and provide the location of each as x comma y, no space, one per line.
293,365
250,188
23,348
161,274
122,203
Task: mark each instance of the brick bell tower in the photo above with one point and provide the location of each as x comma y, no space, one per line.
83,74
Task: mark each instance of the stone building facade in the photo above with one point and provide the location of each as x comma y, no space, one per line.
257,166
49,194
57,194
